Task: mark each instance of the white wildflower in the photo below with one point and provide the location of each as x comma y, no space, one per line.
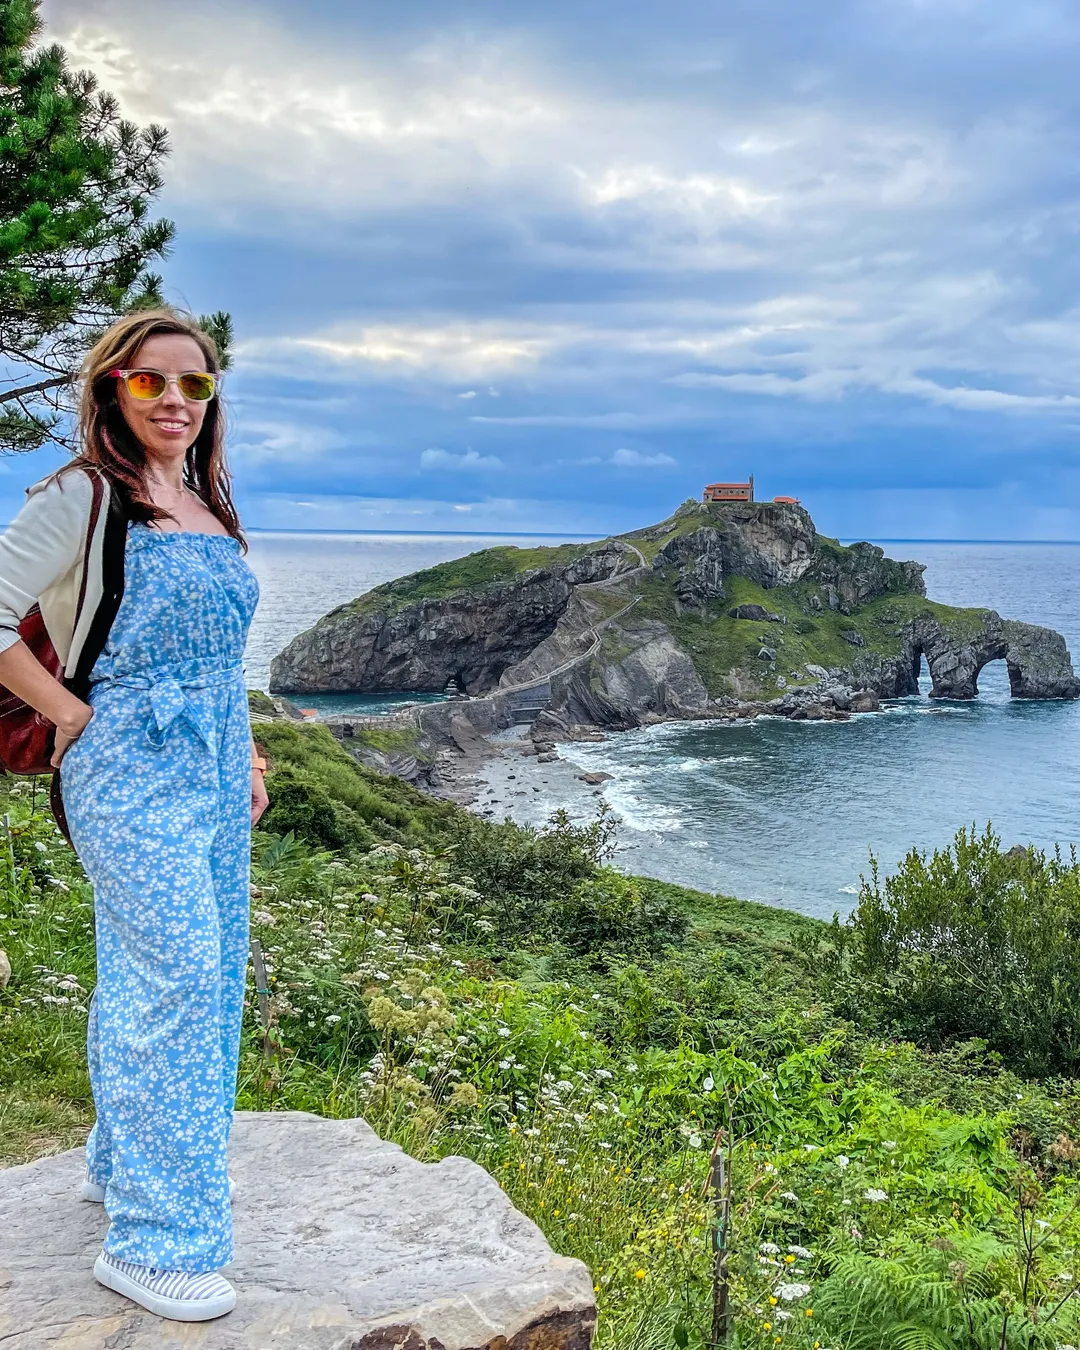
708,1084
790,1292
801,1253
876,1195
770,1249
843,1162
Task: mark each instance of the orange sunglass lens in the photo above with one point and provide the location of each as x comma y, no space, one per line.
197,386
145,384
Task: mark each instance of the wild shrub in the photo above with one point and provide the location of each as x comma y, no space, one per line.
973,942
526,873
607,913
302,806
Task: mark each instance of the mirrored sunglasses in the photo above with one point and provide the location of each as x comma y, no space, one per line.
196,385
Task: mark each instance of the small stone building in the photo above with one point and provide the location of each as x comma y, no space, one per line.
730,492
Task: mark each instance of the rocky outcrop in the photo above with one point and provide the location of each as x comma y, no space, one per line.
756,614
695,562
1038,661
469,638
956,652
853,576
342,1241
735,606
769,544
642,674
571,637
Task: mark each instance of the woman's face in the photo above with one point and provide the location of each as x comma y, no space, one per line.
167,426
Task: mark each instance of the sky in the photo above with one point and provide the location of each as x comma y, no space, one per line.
554,266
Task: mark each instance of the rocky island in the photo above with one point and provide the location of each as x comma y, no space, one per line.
722,610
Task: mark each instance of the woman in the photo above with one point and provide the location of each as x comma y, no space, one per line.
160,785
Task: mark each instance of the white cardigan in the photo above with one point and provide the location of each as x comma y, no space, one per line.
41,559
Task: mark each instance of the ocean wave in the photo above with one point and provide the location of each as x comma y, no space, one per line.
641,816
849,890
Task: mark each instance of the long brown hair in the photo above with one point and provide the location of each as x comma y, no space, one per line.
108,443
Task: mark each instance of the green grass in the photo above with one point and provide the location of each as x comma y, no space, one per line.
462,575
402,740
725,650
590,1082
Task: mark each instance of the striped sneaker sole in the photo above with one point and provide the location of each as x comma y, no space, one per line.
91,1191
175,1294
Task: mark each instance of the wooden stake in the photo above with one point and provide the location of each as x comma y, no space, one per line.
720,1189
262,991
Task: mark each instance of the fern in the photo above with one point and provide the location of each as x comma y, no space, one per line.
932,1299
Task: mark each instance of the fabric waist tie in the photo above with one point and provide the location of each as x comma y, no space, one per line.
168,700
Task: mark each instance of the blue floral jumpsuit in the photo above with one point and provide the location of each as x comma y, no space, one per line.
157,793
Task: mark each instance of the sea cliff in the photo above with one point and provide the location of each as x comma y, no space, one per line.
720,610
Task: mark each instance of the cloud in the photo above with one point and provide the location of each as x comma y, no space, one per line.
280,441
635,459
834,384
625,459
444,351
468,462
843,241
619,421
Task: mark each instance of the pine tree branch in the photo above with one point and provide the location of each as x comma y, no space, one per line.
27,390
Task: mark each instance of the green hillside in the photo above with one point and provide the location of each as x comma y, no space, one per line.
901,1145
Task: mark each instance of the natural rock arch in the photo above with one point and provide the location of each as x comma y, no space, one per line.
1037,659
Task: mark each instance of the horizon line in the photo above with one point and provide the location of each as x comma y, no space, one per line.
575,534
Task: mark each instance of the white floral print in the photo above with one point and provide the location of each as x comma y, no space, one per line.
157,795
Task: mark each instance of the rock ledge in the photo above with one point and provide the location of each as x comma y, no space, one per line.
343,1243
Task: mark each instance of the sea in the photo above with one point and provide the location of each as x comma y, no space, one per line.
786,813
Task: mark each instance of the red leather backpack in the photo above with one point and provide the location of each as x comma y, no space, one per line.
26,737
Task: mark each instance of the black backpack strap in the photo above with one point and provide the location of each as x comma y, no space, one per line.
112,592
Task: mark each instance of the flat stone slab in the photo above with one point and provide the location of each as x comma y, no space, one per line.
343,1242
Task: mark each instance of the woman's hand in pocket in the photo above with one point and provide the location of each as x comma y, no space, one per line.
259,800
69,731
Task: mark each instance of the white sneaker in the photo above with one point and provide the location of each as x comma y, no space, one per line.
176,1294
91,1191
